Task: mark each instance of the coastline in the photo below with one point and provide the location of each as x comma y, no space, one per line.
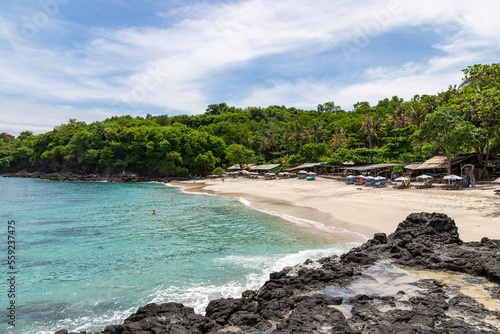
358,209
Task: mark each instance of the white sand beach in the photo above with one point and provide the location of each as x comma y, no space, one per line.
361,209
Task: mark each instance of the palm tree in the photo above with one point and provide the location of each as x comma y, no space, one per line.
317,131
368,128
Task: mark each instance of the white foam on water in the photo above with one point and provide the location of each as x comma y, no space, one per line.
183,190
83,323
305,222
198,296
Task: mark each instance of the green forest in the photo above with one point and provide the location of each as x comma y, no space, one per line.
461,119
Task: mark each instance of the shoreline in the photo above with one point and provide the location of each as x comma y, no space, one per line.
327,205
314,220
358,209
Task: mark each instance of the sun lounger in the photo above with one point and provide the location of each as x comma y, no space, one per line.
457,185
381,184
302,176
403,185
310,178
427,184
371,183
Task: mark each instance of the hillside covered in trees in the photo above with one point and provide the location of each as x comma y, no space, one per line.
463,119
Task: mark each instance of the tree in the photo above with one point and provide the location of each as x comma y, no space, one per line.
218,171
369,128
480,98
452,133
329,107
237,153
205,162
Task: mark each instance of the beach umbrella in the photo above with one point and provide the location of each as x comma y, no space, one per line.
452,177
402,178
350,177
311,173
302,172
369,177
360,176
424,176
496,181
378,178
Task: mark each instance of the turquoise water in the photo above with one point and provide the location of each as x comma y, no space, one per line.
89,254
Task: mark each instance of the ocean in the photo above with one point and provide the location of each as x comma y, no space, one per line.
88,254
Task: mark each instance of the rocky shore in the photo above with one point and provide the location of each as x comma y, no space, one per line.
70,176
322,297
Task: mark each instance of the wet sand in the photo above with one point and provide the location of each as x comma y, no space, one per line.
359,209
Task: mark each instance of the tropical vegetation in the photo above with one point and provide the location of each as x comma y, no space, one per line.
458,120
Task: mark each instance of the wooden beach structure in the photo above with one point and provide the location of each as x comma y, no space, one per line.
316,167
375,169
238,168
262,169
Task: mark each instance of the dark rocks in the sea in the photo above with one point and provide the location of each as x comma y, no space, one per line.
164,318
71,176
64,331
300,299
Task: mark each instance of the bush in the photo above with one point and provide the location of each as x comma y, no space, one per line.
182,171
218,171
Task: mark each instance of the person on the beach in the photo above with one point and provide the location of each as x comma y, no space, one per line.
154,212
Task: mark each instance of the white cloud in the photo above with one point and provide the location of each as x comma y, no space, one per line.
25,116
173,68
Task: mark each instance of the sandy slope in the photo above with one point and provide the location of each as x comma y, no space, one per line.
365,210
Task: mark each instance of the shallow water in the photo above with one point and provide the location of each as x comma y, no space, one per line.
386,279
89,254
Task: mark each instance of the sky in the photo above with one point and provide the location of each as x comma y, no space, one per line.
94,59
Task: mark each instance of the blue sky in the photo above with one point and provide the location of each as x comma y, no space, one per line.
89,60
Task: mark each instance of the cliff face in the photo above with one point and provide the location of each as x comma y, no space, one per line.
324,298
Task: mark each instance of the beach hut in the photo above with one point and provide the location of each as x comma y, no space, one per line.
262,169
237,167
437,166
373,169
309,167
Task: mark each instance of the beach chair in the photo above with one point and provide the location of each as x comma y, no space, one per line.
310,178
303,176
427,184
457,185
381,184
371,183
403,185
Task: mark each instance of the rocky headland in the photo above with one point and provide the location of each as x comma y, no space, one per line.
367,290
95,177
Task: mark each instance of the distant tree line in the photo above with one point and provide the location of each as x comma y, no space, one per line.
458,120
